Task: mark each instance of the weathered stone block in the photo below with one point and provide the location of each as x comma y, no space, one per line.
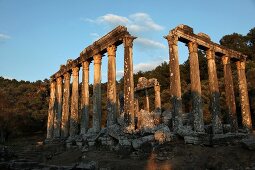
163,135
136,143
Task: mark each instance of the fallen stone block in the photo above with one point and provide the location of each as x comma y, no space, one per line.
163,135
136,143
248,144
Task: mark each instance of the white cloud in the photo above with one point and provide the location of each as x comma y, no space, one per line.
149,43
4,37
137,22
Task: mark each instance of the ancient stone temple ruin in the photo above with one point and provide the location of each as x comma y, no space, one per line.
124,129
63,118
202,41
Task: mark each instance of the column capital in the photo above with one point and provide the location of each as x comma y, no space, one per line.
240,65
97,58
111,50
75,71
128,41
210,54
85,65
157,87
192,47
67,76
59,80
172,39
225,60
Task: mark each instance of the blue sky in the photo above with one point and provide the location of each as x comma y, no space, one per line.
37,36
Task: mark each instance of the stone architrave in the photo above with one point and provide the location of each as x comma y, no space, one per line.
175,81
244,98
52,110
58,115
66,106
147,101
74,118
157,97
229,91
85,97
197,110
215,95
128,80
97,105
111,87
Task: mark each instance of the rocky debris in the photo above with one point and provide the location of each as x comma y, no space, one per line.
163,135
228,138
115,131
146,120
92,165
248,144
166,117
6,154
197,139
226,128
137,143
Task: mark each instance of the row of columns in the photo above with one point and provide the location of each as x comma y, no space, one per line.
175,88
63,119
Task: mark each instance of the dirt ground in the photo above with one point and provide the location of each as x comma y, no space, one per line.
174,155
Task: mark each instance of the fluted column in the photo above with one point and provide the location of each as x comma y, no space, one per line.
66,110
58,115
229,92
214,89
197,110
147,101
175,81
97,108
243,95
157,97
111,86
52,110
74,129
85,97
128,80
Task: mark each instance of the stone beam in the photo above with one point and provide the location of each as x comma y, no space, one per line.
100,46
185,34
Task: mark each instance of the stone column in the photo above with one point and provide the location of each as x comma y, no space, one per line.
137,113
197,110
157,97
74,119
128,81
229,92
214,89
175,81
97,108
66,111
85,97
111,86
52,110
147,101
243,95
58,115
